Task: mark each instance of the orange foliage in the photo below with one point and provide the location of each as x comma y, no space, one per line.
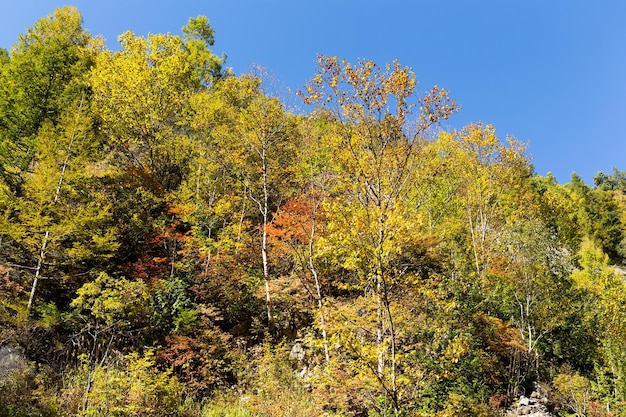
293,223
8,288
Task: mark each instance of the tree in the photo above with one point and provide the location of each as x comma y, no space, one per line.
268,137
244,143
538,291
488,173
43,126
215,204
133,385
109,310
199,35
42,78
376,164
60,223
142,98
606,287
295,231
614,182
142,95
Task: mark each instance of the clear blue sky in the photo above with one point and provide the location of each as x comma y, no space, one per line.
551,73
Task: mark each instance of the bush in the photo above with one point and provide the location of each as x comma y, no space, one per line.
132,387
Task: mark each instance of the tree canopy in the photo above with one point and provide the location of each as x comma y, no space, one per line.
174,240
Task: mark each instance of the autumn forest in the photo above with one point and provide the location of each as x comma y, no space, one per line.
176,241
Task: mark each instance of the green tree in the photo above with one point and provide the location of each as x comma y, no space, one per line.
599,214
269,135
538,292
44,75
199,35
614,182
606,286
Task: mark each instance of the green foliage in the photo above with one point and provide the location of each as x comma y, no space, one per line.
44,75
199,35
173,310
614,182
606,291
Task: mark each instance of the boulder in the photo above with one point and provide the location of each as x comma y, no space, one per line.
12,361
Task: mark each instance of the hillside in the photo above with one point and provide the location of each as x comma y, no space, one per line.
175,241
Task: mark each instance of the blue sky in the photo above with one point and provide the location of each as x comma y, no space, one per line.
550,73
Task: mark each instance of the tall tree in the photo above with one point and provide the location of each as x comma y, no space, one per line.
606,287
249,142
377,164
47,137
43,76
490,173
267,135
61,224
142,95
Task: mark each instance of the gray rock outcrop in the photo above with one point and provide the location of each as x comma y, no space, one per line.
12,360
534,406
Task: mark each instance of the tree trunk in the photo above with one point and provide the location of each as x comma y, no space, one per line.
44,244
265,212
42,255
318,290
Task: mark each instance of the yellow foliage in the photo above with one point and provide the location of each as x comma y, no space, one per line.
458,348
574,392
112,299
133,386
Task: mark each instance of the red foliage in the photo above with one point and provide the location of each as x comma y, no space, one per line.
8,288
203,362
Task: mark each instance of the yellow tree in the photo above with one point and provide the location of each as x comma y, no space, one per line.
490,174
496,238
373,223
46,141
267,134
61,224
251,142
142,95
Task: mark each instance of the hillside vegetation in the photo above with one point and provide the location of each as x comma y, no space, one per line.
174,241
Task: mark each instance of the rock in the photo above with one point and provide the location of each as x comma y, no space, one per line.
11,359
13,362
297,353
532,406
